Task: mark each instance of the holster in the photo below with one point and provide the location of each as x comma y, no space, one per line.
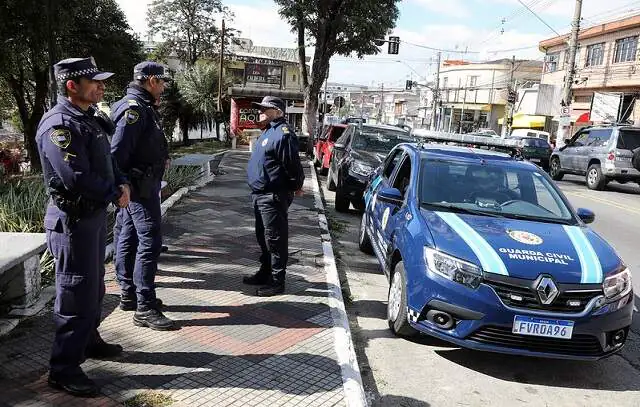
144,182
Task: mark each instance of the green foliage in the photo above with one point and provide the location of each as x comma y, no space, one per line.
199,147
182,176
149,399
22,205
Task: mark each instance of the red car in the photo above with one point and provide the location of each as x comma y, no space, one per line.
324,146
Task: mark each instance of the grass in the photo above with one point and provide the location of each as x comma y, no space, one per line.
149,399
179,177
199,147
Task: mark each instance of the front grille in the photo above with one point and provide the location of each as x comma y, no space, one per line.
579,345
520,293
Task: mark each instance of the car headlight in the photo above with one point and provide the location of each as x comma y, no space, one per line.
361,168
617,285
453,268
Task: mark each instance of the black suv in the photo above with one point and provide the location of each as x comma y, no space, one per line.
355,156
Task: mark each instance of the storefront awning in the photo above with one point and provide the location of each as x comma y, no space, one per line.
471,106
238,91
525,121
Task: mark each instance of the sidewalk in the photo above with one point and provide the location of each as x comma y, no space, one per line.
233,349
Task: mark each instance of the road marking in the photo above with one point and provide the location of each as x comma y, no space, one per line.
606,202
351,378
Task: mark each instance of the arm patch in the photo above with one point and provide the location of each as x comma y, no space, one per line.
61,138
131,116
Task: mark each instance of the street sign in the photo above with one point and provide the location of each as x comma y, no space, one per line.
339,102
565,121
565,111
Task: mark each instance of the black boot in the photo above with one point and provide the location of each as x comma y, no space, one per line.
103,350
79,385
260,278
275,288
129,304
152,318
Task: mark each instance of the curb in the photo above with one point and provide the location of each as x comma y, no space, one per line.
351,378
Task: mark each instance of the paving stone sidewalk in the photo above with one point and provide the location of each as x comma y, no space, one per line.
232,349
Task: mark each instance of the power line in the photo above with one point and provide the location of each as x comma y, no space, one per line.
539,18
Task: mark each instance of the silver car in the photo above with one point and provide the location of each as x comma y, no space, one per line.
601,154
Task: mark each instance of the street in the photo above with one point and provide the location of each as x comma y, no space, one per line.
428,372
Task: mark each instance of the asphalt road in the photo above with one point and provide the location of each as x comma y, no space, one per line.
428,372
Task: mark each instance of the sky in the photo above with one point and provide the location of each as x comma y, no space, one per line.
474,30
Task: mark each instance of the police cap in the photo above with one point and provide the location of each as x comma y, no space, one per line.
145,70
79,68
271,102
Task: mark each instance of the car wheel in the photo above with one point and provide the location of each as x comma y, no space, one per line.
331,186
342,201
364,242
555,170
397,304
316,161
595,179
323,170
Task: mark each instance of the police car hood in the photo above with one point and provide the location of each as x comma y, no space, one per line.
523,249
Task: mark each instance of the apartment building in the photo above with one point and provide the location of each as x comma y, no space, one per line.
607,77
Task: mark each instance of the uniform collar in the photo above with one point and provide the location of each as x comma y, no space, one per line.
275,123
140,92
73,109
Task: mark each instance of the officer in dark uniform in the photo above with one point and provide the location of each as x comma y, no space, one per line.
141,151
274,175
82,179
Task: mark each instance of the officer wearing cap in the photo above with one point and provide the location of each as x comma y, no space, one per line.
141,151
81,179
274,173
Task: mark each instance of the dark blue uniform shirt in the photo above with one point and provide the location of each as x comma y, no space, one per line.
138,141
74,149
275,162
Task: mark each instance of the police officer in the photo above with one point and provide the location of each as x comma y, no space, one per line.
141,151
81,179
274,174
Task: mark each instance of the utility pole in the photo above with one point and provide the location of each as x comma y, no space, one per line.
381,107
493,81
436,95
510,89
361,103
464,103
564,129
220,69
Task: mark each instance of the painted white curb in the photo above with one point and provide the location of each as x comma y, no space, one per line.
351,379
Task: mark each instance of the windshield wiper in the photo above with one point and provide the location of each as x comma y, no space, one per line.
459,209
537,219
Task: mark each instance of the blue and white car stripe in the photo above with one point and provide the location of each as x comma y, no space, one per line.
589,262
489,259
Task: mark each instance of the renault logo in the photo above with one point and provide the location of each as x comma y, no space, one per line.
547,290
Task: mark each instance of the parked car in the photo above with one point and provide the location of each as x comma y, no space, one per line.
600,153
497,260
324,146
355,155
536,150
486,133
520,133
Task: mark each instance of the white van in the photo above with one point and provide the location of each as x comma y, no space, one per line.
520,133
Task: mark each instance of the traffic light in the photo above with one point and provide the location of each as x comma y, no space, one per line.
409,85
394,45
512,96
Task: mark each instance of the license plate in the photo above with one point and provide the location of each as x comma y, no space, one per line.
550,328
535,160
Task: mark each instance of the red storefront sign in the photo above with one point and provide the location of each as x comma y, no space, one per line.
243,115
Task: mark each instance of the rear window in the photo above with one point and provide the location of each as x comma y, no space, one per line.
336,132
534,142
629,139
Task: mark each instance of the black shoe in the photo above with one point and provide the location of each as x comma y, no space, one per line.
132,305
258,279
270,290
103,350
154,319
164,249
80,385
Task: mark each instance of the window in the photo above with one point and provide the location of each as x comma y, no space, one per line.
336,132
392,161
294,78
473,81
599,137
595,55
582,99
626,49
547,199
551,62
445,82
582,138
403,177
346,137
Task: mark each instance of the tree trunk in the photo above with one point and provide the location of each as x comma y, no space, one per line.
184,129
310,119
218,130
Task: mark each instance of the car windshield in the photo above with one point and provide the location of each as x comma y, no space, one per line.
336,133
379,140
493,189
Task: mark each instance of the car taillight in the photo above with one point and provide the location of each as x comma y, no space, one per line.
611,156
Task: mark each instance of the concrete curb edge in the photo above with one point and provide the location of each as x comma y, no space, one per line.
351,378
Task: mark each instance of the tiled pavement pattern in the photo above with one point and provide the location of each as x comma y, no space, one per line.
233,349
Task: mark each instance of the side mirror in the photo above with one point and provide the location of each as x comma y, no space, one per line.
338,146
391,195
568,142
586,215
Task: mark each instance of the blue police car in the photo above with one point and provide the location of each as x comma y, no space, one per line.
483,250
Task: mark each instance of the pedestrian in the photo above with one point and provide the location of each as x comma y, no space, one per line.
274,173
81,179
141,151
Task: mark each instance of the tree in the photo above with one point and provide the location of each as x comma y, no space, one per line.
80,28
335,27
189,27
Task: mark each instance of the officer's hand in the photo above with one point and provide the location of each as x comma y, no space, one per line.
299,193
123,202
167,163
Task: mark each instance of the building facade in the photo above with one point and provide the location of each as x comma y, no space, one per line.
607,75
474,95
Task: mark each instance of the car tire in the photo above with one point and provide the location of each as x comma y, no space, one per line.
555,170
316,161
595,179
364,240
342,201
397,304
323,170
331,186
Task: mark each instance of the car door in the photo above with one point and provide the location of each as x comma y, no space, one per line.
340,149
572,151
597,147
393,214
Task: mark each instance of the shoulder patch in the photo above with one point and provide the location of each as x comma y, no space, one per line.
285,130
131,116
132,102
61,138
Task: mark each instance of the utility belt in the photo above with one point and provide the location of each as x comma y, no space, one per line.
76,208
145,182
